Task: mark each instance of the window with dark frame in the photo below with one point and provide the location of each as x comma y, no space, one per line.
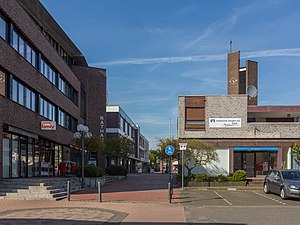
195,113
3,28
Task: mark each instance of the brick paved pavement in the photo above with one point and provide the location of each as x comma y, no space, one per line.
19,212
143,202
135,188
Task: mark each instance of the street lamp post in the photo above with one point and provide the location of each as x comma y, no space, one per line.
82,133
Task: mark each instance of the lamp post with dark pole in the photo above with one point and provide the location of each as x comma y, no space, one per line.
82,133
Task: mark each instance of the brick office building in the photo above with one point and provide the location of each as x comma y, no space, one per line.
246,136
43,77
119,124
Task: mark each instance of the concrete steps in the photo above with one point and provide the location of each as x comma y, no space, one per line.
54,188
37,188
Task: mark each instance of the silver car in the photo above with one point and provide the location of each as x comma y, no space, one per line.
286,183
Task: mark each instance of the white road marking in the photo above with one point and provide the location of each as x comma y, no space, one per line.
228,202
267,197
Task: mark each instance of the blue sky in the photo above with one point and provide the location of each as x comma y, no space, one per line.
156,50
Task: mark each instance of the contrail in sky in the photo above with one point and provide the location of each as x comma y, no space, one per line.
295,52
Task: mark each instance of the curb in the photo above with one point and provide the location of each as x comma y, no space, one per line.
229,188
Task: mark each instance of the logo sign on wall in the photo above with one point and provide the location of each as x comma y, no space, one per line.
48,125
225,122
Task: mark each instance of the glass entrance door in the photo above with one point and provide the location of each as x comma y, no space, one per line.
255,162
248,163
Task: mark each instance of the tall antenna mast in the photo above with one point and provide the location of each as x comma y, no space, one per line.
230,45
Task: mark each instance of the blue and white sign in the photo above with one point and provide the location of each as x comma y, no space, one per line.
225,122
169,150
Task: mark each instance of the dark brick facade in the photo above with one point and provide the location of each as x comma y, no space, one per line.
94,83
92,80
251,74
233,73
239,79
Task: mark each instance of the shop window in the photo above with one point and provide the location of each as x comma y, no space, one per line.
6,158
15,156
30,160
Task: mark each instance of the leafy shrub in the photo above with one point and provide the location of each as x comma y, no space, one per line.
221,178
90,171
200,178
239,175
116,170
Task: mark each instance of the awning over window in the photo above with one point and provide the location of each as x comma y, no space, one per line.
256,148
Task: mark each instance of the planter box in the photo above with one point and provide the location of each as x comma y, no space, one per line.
217,184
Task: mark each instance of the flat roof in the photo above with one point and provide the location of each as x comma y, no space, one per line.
264,109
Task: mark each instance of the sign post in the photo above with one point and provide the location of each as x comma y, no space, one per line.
182,148
170,151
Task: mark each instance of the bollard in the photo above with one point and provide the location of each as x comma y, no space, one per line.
169,190
172,187
99,191
68,190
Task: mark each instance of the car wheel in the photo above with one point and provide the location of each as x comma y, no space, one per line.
266,189
283,194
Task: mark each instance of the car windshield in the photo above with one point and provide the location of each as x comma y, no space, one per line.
291,175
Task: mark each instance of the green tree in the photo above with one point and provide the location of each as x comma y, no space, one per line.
163,143
296,152
154,156
198,153
119,147
95,144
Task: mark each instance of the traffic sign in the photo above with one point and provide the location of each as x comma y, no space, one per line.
169,150
182,146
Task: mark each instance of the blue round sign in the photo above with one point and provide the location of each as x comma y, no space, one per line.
169,150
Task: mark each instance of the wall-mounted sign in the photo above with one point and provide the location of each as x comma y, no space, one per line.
48,125
225,122
102,127
182,146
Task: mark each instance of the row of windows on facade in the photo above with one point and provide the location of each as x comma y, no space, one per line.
30,54
143,143
32,100
60,50
126,127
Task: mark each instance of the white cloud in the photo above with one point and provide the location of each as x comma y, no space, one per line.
142,61
272,53
294,52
